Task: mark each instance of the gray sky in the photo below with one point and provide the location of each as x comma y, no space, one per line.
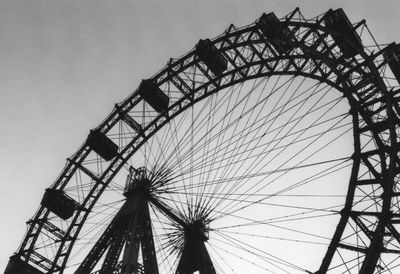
64,64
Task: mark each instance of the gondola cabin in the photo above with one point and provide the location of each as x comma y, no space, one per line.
59,203
102,145
211,56
392,56
153,95
17,266
277,33
343,33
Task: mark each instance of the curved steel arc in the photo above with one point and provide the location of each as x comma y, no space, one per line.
306,61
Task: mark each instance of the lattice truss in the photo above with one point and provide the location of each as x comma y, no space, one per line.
366,239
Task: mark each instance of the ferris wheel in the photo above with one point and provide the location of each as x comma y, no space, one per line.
271,148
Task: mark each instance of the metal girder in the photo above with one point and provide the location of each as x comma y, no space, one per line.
362,100
97,250
131,227
113,253
194,258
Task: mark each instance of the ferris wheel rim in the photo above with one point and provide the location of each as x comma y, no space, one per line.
341,83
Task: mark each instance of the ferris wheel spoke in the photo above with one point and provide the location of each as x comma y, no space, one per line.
263,174
222,159
280,239
290,188
289,159
271,260
273,226
248,146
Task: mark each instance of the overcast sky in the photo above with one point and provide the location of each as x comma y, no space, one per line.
64,64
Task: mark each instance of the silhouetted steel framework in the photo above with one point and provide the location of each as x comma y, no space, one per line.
327,48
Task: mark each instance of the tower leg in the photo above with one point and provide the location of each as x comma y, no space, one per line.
194,258
131,227
139,234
